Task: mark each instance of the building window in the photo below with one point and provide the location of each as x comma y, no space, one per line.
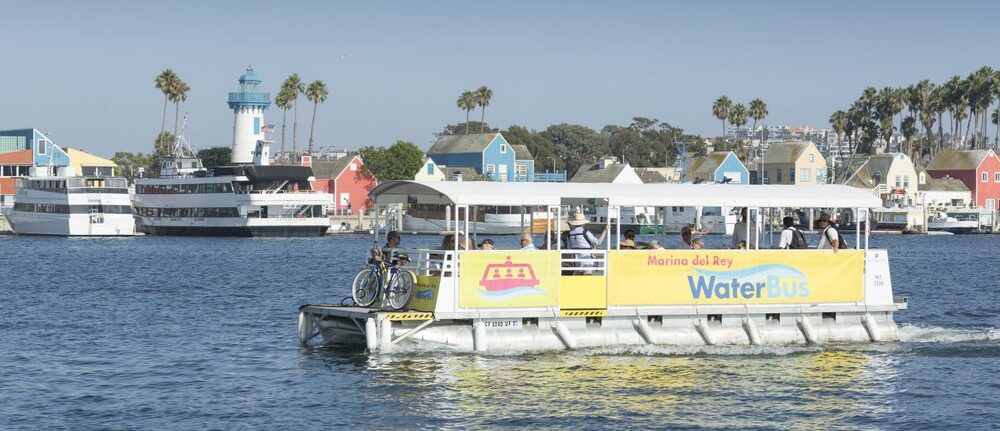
991,204
41,147
430,169
521,169
986,177
777,175
354,167
804,174
996,177
765,181
791,175
503,149
906,181
812,157
490,169
899,181
820,175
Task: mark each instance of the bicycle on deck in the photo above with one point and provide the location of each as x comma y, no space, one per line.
385,282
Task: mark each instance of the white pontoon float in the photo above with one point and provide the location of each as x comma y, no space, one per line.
563,299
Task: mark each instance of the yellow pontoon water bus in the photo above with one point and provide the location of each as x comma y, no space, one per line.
550,299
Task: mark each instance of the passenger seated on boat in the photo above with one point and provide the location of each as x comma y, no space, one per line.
686,233
630,234
389,252
697,244
742,245
627,245
654,245
487,244
527,242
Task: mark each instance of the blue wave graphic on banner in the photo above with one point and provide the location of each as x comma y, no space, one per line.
516,292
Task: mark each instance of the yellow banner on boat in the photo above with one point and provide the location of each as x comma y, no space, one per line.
724,277
500,279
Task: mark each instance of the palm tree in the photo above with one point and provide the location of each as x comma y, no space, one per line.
938,105
295,85
838,120
720,109
164,82
738,118
316,93
758,111
467,103
178,94
996,121
908,128
284,102
483,96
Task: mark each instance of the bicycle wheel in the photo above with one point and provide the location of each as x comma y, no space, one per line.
364,290
401,290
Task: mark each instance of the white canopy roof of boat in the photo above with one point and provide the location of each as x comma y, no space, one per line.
659,195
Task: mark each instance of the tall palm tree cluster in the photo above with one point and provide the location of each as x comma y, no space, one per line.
288,98
468,101
873,119
737,115
174,90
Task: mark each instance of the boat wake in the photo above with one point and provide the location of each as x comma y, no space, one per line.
939,334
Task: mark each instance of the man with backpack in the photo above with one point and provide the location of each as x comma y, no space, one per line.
829,238
791,238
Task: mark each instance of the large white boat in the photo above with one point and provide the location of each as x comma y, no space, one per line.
243,200
554,299
71,206
954,221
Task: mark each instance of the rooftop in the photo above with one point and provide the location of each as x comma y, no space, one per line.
948,160
472,143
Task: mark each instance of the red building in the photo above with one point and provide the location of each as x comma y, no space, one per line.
979,170
347,181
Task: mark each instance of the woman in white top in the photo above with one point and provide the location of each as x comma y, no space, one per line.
829,238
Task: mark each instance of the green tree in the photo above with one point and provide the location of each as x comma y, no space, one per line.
578,145
483,96
130,164
908,129
720,109
467,102
296,87
283,100
316,93
165,82
457,129
738,118
165,144
401,161
541,149
216,156
996,122
758,111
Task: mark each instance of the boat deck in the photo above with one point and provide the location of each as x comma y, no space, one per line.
354,312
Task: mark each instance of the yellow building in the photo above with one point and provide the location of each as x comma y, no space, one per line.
794,163
891,176
89,165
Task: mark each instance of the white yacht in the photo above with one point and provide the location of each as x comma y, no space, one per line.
242,200
249,198
955,221
71,206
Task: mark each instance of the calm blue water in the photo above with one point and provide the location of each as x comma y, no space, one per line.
187,333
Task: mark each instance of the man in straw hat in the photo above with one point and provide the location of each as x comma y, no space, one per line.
581,239
829,238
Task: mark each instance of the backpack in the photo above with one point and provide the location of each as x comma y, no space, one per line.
798,239
840,239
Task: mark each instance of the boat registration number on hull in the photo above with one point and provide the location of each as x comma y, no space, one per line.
502,323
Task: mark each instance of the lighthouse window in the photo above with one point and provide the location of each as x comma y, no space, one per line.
256,125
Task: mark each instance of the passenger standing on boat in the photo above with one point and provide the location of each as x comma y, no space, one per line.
527,242
389,252
740,230
829,238
581,239
791,237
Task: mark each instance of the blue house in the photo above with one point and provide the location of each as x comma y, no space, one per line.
44,152
489,154
717,167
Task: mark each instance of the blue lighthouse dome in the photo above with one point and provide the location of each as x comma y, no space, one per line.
250,77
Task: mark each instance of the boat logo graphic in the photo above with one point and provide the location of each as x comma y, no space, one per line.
508,280
769,281
425,294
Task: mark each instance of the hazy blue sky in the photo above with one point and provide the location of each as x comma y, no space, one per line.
83,71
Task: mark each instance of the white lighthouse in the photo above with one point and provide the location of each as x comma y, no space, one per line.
248,105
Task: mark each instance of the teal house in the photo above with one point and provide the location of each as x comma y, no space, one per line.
489,154
721,167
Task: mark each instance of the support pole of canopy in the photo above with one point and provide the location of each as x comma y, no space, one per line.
531,226
447,218
757,229
475,224
618,228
